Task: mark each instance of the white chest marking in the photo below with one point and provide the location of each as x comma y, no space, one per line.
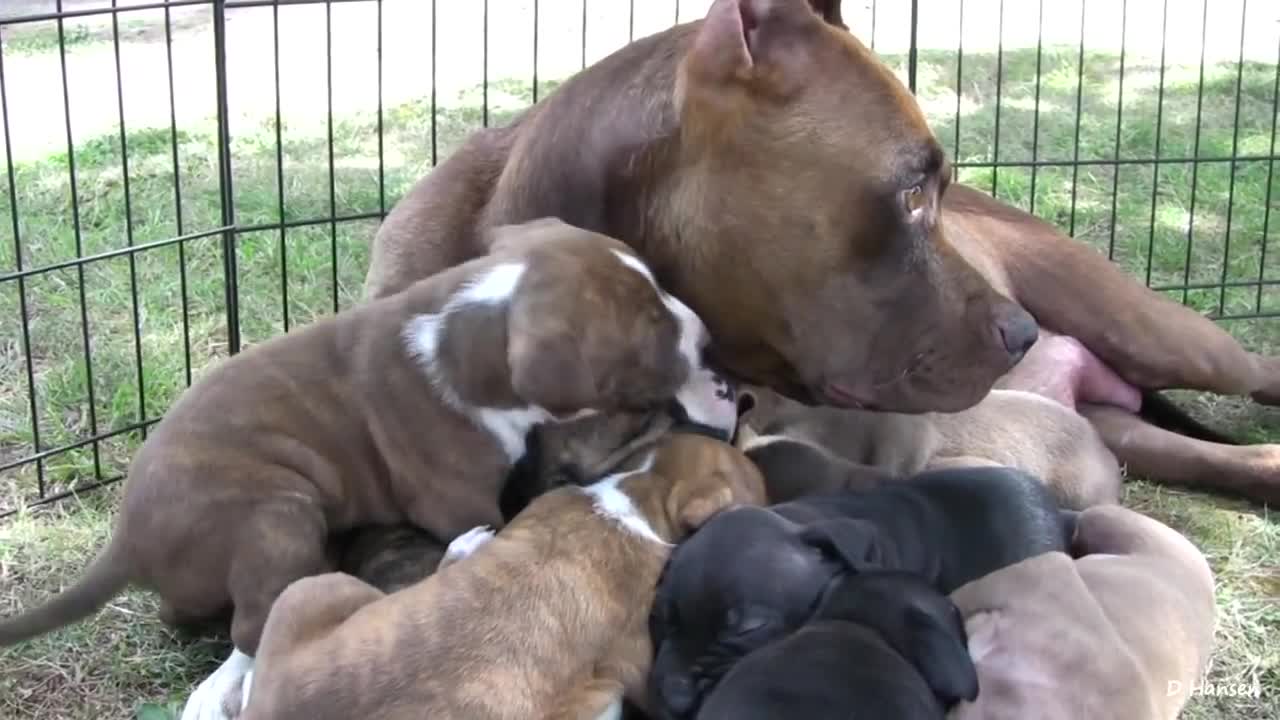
422,336
612,503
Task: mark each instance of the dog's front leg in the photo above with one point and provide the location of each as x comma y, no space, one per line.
1072,289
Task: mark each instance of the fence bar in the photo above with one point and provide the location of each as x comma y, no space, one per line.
1155,167
229,271
128,221
333,182
32,406
382,161
435,155
1271,166
60,14
79,239
107,255
1195,151
177,202
995,150
283,242
912,50
1115,155
1075,148
1035,113
1235,147
484,66
535,51
959,87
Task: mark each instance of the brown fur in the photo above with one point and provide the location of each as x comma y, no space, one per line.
757,176
1010,428
473,641
335,425
1099,637
723,151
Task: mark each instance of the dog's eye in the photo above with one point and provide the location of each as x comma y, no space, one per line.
914,200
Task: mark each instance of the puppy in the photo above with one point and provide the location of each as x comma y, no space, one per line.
546,620
410,409
751,576
1121,633
880,645
828,448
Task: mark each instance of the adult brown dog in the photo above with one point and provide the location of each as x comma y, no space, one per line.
548,620
1121,633
783,183
725,152
409,409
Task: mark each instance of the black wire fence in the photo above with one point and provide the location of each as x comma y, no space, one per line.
186,178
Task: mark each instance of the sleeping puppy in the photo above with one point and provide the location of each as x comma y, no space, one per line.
547,620
880,645
1123,632
750,576
828,448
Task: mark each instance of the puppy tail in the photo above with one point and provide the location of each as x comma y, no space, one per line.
103,580
1163,413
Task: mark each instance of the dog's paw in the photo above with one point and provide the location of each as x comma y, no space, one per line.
220,696
467,543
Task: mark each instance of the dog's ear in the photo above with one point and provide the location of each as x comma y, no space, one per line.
942,654
853,542
830,11
696,502
546,356
739,36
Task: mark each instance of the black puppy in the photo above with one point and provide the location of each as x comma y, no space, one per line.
750,575
880,645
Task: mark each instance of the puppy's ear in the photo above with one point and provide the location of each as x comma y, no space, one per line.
942,654
702,501
548,368
851,541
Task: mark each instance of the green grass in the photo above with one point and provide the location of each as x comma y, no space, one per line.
109,667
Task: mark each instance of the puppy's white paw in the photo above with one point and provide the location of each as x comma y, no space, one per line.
467,543
219,696
613,712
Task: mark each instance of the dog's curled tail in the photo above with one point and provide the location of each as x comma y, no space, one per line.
105,577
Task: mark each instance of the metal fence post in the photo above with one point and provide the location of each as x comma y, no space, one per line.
911,51
227,198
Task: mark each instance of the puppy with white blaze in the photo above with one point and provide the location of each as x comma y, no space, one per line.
407,409
546,619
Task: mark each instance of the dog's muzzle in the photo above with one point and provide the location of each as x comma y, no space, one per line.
707,404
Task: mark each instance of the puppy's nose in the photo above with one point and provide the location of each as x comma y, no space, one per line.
1018,332
677,694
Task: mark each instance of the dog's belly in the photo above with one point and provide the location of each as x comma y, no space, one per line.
1061,368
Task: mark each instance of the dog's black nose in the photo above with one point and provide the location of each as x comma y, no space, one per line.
678,694
1018,332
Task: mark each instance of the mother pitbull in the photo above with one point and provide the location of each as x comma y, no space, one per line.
785,185
779,180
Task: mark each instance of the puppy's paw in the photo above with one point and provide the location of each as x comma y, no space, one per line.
466,543
219,696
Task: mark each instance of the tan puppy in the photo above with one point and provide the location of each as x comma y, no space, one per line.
1122,633
1010,428
409,409
549,619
